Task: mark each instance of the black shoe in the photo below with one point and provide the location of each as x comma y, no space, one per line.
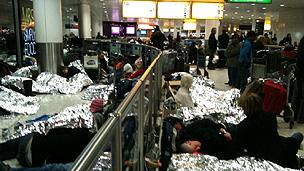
4,167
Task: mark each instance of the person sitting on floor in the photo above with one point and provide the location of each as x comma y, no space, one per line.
258,133
69,72
182,96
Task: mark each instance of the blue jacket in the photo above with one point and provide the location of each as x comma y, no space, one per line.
246,52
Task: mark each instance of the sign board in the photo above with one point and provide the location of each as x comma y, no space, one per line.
90,62
207,10
173,10
139,9
252,1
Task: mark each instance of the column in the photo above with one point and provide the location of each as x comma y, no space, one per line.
48,27
84,19
96,25
209,25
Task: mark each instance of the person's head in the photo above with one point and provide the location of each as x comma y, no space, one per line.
235,39
65,70
275,35
251,100
175,122
156,28
190,146
251,36
224,31
288,36
186,81
262,40
266,35
301,48
138,63
96,105
213,30
98,34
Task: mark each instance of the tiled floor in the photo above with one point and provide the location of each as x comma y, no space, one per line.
219,76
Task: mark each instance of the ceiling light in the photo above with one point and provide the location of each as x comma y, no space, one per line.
232,18
282,5
249,18
226,14
224,10
70,9
252,15
235,12
248,11
264,8
253,4
237,7
242,16
264,13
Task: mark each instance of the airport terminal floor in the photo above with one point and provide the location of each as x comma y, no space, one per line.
151,85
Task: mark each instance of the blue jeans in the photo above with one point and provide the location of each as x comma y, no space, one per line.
232,75
48,167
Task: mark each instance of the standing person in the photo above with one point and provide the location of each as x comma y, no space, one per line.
201,58
245,60
192,52
170,39
223,43
233,53
98,36
274,39
158,38
298,93
212,44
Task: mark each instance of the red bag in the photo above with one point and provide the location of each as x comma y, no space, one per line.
275,97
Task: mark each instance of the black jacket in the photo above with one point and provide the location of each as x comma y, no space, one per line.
213,143
223,41
158,39
212,42
259,136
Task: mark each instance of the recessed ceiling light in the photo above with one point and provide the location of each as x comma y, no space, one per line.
235,12
70,9
249,18
264,8
242,16
232,18
226,14
237,7
282,5
253,4
248,11
252,15
224,10
264,13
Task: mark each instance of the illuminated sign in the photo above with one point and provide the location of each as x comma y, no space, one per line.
252,1
29,38
139,9
27,18
173,10
207,10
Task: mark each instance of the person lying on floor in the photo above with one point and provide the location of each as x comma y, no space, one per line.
69,72
207,137
258,133
59,145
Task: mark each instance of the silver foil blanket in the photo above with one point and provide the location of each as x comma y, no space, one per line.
221,104
98,91
104,162
14,80
17,103
52,83
78,116
194,162
25,72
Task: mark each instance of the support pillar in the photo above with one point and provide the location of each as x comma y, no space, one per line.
48,27
96,25
84,19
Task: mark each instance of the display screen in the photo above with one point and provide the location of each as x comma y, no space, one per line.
143,31
115,29
252,1
181,10
139,9
208,10
130,30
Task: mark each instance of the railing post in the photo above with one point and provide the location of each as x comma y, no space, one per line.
141,117
117,148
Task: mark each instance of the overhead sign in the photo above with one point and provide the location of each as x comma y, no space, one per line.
173,10
139,9
252,1
207,10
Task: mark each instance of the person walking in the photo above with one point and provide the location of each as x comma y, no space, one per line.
158,38
223,43
212,46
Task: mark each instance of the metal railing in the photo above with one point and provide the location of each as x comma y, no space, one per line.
143,100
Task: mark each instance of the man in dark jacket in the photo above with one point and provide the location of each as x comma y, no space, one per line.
223,43
212,44
158,38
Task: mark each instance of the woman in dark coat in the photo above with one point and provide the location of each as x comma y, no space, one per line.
258,134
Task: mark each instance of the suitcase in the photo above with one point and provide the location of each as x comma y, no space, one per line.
169,58
275,97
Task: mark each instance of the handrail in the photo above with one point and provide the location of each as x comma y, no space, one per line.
91,153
